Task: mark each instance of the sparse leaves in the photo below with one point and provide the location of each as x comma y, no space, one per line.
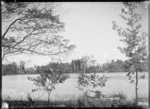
135,47
51,75
135,42
34,27
90,80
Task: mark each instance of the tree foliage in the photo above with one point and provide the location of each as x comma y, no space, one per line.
32,28
50,76
134,39
132,36
89,82
76,66
10,69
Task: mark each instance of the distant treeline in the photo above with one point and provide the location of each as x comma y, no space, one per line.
75,66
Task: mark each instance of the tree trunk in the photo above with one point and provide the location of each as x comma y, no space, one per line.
136,89
48,99
149,57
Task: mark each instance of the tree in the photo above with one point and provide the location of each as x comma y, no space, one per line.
87,61
31,28
30,70
51,75
22,66
134,39
9,69
91,80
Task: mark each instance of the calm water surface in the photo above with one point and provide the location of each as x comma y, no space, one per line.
18,86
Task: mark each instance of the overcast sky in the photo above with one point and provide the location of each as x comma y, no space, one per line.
89,27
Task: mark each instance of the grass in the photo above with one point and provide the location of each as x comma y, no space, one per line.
119,95
82,101
65,97
143,98
121,101
41,103
30,102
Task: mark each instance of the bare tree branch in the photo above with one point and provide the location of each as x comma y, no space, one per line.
33,51
29,35
23,38
10,27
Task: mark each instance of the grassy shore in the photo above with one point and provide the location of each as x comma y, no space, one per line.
82,101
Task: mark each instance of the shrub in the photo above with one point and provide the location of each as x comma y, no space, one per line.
113,100
119,95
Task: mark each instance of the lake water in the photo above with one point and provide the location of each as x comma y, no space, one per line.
18,86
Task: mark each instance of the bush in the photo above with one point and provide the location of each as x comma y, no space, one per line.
113,100
119,95
85,101
143,98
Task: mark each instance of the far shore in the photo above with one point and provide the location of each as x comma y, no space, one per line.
66,73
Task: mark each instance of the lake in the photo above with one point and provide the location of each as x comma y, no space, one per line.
18,86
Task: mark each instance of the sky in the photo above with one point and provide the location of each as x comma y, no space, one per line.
89,26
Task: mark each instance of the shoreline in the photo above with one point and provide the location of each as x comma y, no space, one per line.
68,73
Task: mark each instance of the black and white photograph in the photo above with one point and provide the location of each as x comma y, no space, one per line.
75,54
